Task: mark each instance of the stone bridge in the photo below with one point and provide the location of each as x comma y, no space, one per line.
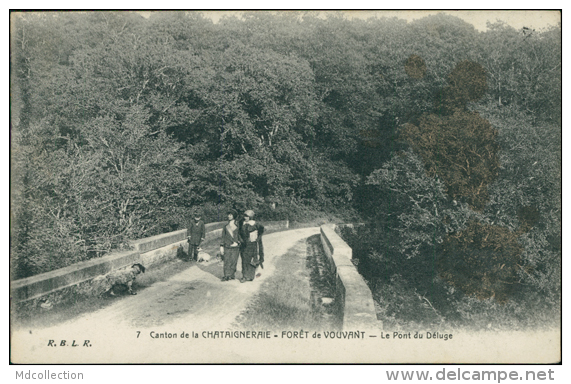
192,299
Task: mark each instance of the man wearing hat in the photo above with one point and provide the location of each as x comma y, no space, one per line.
252,248
196,235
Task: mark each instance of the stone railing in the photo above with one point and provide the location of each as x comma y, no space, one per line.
354,296
88,277
64,279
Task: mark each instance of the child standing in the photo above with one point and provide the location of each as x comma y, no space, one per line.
196,235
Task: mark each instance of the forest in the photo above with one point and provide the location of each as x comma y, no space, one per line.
444,140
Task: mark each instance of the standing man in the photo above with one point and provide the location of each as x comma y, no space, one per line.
230,246
252,249
196,235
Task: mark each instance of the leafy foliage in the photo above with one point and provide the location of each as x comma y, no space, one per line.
523,69
415,211
415,67
482,260
461,149
467,82
483,249
435,133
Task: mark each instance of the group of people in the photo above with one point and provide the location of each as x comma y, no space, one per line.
241,238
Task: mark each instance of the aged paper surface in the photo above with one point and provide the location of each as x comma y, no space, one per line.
108,336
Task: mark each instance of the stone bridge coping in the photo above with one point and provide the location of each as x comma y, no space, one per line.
356,299
149,243
49,282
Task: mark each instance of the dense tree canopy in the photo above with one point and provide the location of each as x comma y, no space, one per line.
433,132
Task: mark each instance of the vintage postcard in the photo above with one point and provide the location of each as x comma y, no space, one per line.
197,187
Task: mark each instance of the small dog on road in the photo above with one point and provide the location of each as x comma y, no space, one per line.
122,281
203,256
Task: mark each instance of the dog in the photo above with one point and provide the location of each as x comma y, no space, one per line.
203,256
46,304
122,281
181,254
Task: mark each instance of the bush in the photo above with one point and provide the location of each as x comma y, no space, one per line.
459,149
402,306
482,260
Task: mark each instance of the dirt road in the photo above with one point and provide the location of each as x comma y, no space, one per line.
193,300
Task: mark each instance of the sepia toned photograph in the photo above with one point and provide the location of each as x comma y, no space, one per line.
286,187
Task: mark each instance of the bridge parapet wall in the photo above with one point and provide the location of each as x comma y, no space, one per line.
353,294
50,282
154,242
87,277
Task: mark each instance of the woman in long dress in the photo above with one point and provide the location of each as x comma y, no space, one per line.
252,247
230,246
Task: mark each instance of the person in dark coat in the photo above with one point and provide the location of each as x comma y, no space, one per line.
252,248
196,235
230,246
239,209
